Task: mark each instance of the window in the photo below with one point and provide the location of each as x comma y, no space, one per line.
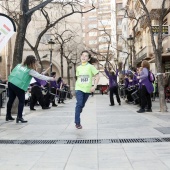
92,18
91,34
93,42
102,8
103,39
93,26
118,6
103,47
119,21
104,22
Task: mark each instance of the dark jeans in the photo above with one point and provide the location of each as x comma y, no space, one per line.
114,90
81,98
53,90
145,98
13,92
129,96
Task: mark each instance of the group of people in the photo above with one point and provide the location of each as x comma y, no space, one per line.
137,84
45,92
21,76
19,82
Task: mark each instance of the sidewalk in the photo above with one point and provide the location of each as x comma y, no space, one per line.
48,131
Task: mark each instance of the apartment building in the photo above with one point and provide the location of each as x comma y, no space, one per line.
98,33
141,34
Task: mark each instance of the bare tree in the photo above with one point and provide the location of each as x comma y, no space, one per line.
25,17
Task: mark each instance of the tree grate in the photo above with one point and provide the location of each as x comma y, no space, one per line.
86,141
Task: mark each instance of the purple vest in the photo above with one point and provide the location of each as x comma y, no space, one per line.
149,86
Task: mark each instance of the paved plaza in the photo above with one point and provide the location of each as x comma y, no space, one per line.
112,138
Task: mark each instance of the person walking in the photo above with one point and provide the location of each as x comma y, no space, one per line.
146,88
113,86
18,82
83,87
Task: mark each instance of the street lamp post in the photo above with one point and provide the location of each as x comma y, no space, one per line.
130,40
68,70
51,47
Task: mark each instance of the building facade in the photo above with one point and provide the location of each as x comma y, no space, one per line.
98,36
142,47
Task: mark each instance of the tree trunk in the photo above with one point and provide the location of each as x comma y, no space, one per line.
133,47
61,58
20,38
21,31
162,102
68,73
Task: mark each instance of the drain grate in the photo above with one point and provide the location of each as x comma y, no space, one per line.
87,141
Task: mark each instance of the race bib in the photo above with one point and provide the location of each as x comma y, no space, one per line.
84,79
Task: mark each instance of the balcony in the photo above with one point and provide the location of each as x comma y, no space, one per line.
146,53
156,5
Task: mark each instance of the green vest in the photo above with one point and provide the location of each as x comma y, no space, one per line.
20,77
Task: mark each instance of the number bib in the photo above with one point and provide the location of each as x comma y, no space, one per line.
84,79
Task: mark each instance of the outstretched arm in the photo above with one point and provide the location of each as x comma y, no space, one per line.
44,72
97,78
117,71
107,73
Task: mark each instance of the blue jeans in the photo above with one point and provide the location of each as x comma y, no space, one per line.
14,92
81,98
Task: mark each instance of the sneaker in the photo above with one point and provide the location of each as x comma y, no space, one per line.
119,103
111,104
79,126
141,111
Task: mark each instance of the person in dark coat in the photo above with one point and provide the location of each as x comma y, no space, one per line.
113,86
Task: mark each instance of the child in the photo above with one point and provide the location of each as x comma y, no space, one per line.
18,82
83,88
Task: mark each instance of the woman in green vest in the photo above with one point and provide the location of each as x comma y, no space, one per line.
18,82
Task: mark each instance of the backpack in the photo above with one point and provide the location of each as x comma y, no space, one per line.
151,77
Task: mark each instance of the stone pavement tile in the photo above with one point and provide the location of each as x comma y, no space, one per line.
154,164
112,156
166,160
162,151
49,166
79,134
107,134
142,157
108,161
19,157
56,153
83,157
16,166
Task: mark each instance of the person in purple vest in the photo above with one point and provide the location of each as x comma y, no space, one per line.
37,94
113,86
146,88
